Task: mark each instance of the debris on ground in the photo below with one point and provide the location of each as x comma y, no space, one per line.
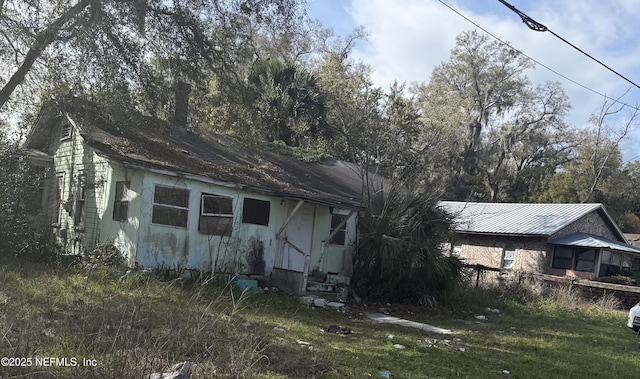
482,317
398,346
385,374
337,329
178,371
279,330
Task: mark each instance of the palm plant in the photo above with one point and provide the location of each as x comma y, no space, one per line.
400,254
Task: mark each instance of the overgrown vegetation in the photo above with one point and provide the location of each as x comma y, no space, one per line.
142,324
400,255
22,232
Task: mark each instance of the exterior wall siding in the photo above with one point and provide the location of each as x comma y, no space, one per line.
487,250
250,249
71,160
591,223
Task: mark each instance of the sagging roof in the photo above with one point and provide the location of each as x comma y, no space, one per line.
590,240
520,219
152,144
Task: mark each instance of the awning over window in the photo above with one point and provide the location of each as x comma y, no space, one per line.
589,240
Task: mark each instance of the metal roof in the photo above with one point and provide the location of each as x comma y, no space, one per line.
589,240
515,218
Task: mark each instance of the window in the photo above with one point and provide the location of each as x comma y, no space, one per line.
58,195
66,131
562,257
81,199
121,201
508,257
339,237
170,206
456,250
585,259
256,211
216,215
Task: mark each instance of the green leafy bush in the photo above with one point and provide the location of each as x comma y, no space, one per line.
400,254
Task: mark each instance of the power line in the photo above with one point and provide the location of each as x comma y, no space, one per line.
538,27
537,62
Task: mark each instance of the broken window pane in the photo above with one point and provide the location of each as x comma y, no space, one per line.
256,211
170,206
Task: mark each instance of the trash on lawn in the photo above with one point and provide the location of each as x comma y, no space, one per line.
385,374
493,310
279,329
398,346
506,372
390,336
305,343
320,302
337,329
462,349
482,317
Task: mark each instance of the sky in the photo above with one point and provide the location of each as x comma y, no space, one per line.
408,38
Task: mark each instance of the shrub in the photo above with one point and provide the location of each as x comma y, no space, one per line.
400,253
21,233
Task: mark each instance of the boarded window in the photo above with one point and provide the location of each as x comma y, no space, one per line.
508,257
37,196
585,259
562,257
81,200
339,237
121,201
256,211
170,206
216,215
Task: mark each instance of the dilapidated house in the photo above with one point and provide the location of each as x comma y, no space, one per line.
168,197
579,240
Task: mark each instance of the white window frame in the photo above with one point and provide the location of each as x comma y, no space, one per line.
163,205
508,263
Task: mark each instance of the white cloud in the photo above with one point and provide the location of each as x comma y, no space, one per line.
408,38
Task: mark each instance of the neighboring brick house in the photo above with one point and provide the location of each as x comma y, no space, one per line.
579,240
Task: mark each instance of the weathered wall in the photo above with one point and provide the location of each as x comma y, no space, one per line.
591,223
72,159
487,250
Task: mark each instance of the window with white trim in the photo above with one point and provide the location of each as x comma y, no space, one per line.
216,215
508,258
170,206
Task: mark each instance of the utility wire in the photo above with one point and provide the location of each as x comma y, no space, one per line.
538,27
537,62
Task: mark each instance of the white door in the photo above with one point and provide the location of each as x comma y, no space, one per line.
299,233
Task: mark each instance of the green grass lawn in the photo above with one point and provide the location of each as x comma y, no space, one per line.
142,324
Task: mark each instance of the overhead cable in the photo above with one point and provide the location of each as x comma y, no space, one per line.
537,62
538,27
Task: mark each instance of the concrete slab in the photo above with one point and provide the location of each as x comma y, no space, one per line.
379,317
